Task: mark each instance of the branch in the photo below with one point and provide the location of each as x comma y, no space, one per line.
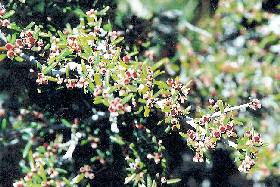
192,123
197,29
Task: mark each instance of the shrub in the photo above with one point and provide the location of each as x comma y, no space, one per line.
138,106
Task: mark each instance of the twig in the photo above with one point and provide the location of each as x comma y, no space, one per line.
192,123
197,29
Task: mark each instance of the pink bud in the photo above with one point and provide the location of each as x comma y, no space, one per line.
126,59
217,134
9,46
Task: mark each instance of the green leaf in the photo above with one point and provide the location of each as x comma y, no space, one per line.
55,60
15,27
4,124
221,105
67,182
118,40
130,178
167,130
30,159
97,79
117,139
127,98
62,37
67,71
154,183
66,123
160,63
79,178
172,181
90,86
47,46
8,14
103,11
42,173
139,110
2,57
30,25
132,88
52,79
146,111
61,170
183,135
149,181
108,27
84,68
26,149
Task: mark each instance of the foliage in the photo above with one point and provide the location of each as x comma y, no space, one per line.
136,105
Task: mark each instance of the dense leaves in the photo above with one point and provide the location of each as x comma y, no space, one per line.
131,104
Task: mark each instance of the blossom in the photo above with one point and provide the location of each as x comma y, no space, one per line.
198,157
255,104
246,164
217,134
205,119
5,23
126,58
10,54
41,79
9,46
18,184
91,13
191,134
2,11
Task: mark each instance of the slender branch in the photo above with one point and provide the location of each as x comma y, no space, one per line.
197,29
192,123
219,113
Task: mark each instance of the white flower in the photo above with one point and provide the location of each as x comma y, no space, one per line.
72,65
161,103
114,128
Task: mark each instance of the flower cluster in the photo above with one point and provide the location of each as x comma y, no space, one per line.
86,169
38,163
117,107
26,41
218,127
246,164
3,22
42,79
156,156
255,104
88,57
73,44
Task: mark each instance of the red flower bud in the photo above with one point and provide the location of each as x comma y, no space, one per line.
19,43
217,134
126,81
257,138
10,54
2,12
5,23
134,75
31,40
191,134
229,127
29,34
128,74
223,129
205,119
126,58
170,82
46,145
248,134
255,104
9,46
